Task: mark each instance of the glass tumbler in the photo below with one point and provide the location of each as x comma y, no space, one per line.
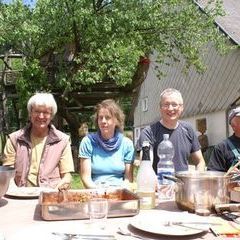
98,211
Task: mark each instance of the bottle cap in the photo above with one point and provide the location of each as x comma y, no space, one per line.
165,136
145,144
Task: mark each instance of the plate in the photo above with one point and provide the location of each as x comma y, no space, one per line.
24,192
162,223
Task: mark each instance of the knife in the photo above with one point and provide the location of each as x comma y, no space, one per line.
71,236
181,223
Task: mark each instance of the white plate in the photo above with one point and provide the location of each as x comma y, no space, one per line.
155,221
24,192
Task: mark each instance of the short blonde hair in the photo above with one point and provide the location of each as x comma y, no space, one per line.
115,111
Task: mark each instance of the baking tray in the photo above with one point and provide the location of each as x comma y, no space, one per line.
73,204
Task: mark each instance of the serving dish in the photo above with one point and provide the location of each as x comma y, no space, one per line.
73,204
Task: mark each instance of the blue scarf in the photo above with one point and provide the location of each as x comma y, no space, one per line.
111,144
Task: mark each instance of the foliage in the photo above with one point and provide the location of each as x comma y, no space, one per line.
76,181
71,43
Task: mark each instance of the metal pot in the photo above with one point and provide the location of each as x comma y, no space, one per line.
214,185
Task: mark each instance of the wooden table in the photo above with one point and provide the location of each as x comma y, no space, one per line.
18,214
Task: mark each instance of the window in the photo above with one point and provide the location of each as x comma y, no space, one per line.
145,104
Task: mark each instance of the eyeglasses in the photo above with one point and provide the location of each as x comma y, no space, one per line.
38,113
167,105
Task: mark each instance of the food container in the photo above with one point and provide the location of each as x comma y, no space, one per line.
6,173
73,204
213,184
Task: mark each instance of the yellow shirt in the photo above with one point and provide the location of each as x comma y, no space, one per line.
37,149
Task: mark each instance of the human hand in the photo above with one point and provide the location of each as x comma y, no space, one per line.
132,186
65,182
235,170
63,186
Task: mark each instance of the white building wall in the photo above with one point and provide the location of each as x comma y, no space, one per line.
216,126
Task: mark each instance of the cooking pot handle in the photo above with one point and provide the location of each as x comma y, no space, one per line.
173,178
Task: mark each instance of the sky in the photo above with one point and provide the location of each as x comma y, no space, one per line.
27,2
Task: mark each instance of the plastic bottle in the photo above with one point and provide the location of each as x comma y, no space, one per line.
165,166
146,179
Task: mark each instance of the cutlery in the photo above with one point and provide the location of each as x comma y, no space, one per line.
126,232
72,236
214,232
230,217
189,226
169,223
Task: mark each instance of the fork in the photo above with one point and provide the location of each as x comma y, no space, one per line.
126,232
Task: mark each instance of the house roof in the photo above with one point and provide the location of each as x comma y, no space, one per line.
218,88
230,23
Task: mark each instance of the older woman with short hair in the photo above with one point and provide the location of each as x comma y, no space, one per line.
40,153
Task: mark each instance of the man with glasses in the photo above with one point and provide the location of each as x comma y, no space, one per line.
227,153
40,153
181,133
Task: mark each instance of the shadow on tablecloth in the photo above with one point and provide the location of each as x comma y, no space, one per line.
37,213
3,202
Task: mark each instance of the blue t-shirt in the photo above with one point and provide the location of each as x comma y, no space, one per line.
107,166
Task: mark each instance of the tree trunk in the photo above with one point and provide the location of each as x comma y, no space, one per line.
73,124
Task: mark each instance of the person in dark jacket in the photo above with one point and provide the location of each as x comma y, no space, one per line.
227,153
40,153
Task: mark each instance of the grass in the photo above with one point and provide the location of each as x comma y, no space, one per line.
76,181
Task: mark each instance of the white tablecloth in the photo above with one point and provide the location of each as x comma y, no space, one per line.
20,217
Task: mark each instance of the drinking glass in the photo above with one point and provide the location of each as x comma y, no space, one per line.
201,202
98,211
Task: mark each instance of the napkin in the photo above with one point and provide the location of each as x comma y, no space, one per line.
225,228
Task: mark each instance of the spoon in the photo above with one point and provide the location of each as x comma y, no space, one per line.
126,232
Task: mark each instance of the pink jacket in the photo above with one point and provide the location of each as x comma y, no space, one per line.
49,172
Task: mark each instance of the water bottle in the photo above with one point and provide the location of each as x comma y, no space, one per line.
165,166
146,179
